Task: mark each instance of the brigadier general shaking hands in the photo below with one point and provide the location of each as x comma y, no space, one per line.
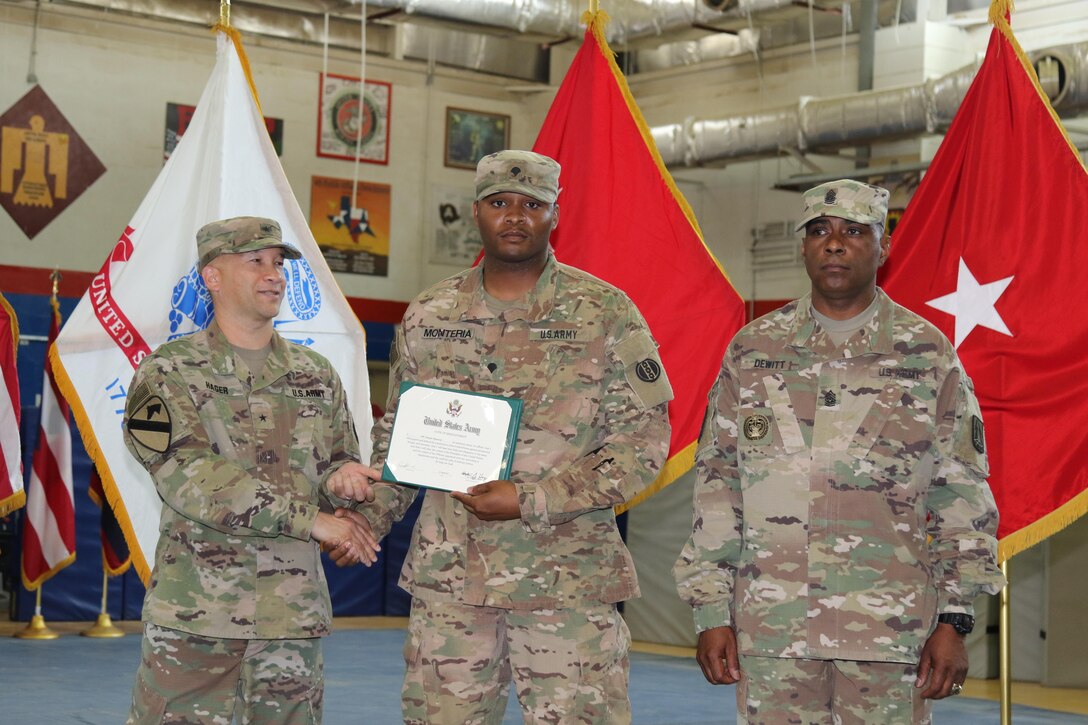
843,526
519,579
242,432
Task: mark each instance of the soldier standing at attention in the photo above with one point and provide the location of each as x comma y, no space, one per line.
518,579
242,431
843,525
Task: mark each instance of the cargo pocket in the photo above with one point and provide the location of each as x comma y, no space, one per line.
603,678
148,706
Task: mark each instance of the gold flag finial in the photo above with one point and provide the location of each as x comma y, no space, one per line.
55,276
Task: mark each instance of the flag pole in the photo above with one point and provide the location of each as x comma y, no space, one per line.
37,629
594,6
103,626
224,13
1005,638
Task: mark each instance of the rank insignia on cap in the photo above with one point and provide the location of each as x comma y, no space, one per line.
515,171
978,436
756,427
830,197
150,425
648,370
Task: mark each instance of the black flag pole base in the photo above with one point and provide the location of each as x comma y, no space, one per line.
37,629
103,628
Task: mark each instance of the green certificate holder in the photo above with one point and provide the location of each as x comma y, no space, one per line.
451,439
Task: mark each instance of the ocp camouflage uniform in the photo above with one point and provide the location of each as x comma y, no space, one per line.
817,468
594,432
239,462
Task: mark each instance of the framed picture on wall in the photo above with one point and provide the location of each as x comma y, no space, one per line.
353,235
471,135
343,119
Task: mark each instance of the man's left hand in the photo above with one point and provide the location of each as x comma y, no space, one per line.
351,482
491,501
943,663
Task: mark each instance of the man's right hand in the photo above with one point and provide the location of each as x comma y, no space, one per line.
347,536
716,653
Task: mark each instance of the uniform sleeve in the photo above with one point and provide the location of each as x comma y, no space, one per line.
706,570
962,512
634,442
343,438
163,430
391,501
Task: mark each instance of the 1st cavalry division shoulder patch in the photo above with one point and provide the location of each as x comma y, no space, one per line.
150,425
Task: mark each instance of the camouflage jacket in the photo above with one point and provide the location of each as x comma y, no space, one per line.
593,434
816,471
238,462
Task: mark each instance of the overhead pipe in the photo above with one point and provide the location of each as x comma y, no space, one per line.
548,18
827,124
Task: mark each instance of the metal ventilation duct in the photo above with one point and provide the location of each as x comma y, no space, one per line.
630,20
825,124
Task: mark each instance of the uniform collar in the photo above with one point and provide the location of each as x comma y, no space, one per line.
875,338
536,305
223,361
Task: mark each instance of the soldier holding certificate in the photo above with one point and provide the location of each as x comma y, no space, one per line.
518,579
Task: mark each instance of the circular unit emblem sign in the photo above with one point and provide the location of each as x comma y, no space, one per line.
346,121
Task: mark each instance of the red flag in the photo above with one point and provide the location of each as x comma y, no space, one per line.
11,465
49,527
990,250
623,219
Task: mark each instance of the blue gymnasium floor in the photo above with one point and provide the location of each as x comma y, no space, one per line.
78,680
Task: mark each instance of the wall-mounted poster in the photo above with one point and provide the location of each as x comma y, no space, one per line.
471,135
44,164
456,237
178,116
342,119
353,237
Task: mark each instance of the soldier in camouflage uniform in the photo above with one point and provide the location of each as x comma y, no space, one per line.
843,525
519,579
240,430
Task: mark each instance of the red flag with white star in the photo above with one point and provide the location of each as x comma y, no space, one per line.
623,219
991,250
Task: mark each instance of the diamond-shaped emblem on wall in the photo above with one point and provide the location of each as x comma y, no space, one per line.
44,164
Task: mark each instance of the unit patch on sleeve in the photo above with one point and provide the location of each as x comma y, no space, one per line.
648,370
149,424
978,436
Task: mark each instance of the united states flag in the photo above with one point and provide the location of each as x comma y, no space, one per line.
11,468
49,527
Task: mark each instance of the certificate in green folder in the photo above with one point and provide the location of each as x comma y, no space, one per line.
451,439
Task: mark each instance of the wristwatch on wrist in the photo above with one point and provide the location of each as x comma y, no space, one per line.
962,623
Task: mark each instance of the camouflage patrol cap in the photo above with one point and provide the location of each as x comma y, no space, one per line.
240,234
522,171
846,199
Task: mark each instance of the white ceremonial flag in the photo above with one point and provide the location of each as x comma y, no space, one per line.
148,290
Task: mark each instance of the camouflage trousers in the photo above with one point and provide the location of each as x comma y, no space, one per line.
186,679
780,690
568,665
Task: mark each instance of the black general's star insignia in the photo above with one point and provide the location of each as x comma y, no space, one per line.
263,417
